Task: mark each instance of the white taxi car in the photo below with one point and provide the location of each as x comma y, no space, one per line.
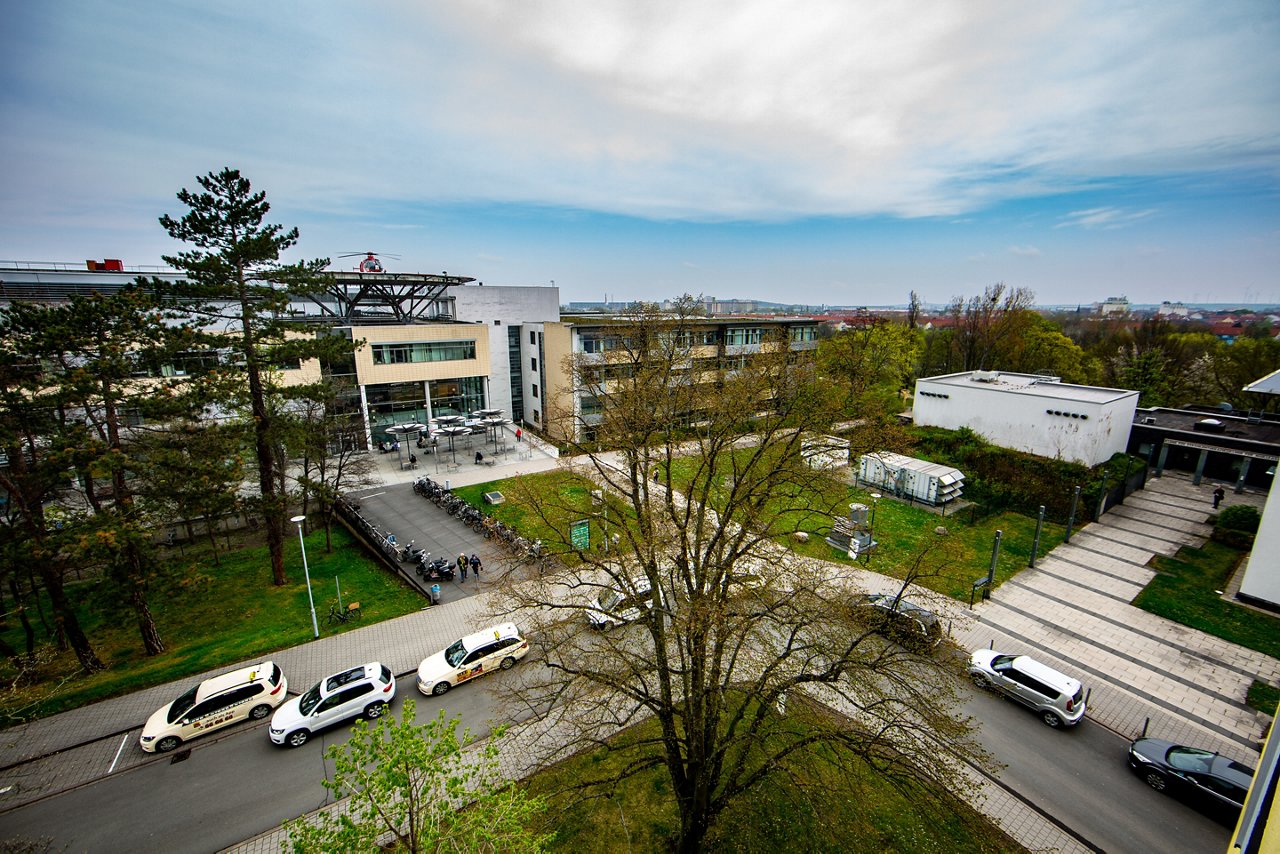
250,692
364,690
497,647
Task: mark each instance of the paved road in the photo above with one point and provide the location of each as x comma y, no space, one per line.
1080,777
229,788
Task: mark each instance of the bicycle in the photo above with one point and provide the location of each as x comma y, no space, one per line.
344,615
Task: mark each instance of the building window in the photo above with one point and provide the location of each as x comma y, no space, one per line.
533,364
804,333
536,418
535,390
739,336
423,351
533,338
497,323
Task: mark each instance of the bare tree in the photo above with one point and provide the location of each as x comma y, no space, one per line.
706,478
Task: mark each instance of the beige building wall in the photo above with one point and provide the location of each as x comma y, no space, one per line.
556,398
370,374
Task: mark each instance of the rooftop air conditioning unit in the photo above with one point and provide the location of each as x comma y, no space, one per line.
985,376
1149,419
1210,425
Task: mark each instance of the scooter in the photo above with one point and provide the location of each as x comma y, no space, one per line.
411,553
439,569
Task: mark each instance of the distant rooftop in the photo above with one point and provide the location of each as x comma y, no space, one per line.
1034,385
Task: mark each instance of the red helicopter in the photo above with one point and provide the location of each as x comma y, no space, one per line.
370,263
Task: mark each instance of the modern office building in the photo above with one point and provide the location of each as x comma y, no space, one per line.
555,399
423,345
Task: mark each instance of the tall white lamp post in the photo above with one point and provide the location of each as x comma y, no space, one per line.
298,520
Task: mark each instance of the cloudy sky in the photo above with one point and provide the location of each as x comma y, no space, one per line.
828,151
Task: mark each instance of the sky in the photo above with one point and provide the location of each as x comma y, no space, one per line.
824,152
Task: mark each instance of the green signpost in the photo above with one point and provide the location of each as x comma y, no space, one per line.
580,535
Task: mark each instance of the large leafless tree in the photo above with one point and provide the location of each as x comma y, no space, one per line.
705,480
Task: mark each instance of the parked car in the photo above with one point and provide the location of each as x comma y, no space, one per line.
621,604
1208,777
364,690
902,621
247,693
497,647
1056,697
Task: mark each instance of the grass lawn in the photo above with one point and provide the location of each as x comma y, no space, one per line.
903,529
210,616
804,805
557,491
1185,590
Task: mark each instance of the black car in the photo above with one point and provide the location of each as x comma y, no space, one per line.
901,620
1208,777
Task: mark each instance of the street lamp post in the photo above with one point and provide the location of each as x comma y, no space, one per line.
306,572
871,526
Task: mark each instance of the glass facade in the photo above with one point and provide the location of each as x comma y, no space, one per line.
738,336
457,397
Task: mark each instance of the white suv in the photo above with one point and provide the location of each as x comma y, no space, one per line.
621,604
250,692
364,690
1056,697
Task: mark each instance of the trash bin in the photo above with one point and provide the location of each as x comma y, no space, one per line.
435,594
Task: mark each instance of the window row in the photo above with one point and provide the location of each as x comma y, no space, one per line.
423,351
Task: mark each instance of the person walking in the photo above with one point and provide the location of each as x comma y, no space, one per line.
479,458
519,434
475,565
1218,495
462,566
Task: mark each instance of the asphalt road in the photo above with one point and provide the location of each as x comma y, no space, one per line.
226,791
235,787
1080,776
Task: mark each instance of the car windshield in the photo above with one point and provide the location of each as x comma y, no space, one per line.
455,653
310,699
608,600
183,704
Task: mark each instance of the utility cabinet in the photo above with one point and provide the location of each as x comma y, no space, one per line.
910,478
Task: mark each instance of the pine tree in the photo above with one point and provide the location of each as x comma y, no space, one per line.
238,292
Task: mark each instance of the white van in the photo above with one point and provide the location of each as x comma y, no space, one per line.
247,693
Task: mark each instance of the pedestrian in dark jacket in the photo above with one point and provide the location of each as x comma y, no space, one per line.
1218,495
475,564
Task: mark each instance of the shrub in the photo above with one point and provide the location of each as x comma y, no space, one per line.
1240,517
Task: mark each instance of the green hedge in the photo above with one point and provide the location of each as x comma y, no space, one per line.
1003,479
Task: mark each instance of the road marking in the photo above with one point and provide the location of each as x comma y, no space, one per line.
375,495
119,750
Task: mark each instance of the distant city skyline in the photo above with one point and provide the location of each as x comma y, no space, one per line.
825,153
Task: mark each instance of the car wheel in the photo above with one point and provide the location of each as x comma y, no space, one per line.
297,738
1156,780
259,712
1051,719
169,742
375,710
980,680
508,663
440,688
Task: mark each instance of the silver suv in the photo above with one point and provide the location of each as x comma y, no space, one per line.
1056,697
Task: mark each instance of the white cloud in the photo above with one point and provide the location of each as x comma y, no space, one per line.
1025,251
691,109
1104,217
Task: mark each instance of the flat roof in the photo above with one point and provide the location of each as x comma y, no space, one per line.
1236,426
1033,385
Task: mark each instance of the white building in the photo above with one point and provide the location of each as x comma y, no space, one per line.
1026,412
1117,306
1261,580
